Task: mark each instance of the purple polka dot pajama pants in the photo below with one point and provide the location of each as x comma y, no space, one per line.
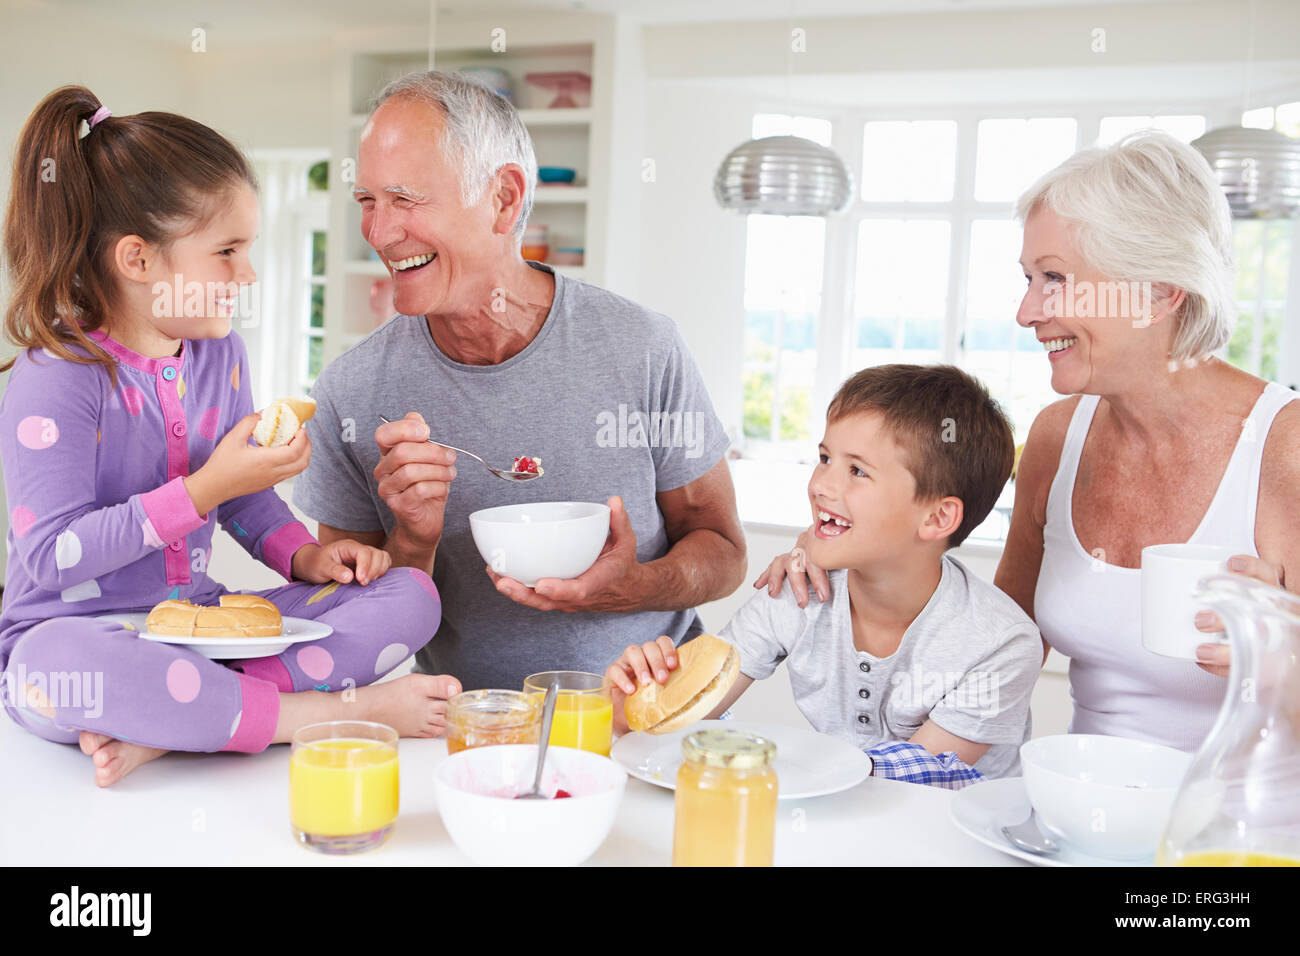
99,676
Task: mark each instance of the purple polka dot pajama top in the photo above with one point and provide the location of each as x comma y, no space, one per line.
100,522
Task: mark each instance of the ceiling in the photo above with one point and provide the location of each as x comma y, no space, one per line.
255,22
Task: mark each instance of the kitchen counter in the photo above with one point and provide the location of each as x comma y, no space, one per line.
232,809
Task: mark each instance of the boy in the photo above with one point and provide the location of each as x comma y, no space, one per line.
924,665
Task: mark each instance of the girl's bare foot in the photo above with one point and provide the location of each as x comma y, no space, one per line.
113,758
414,705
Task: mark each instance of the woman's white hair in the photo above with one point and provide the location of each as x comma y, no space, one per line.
1148,209
484,132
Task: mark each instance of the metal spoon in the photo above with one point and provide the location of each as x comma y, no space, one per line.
1028,836
543,741
505,474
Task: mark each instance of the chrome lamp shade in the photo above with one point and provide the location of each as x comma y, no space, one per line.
783,176
1259,170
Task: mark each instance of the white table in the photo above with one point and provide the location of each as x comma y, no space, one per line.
233,809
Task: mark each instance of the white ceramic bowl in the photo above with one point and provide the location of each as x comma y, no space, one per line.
475,790
547,539
1107,796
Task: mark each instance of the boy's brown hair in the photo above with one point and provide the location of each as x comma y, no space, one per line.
955,438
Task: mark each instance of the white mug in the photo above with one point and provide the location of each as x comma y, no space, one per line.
1169,576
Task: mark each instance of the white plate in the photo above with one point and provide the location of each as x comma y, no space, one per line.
808,764
296,630
982,809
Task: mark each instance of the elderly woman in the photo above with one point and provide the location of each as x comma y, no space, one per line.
1160,441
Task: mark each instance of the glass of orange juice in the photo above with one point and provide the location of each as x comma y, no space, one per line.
343,785
584,709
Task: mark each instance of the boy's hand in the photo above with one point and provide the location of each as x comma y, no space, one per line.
237,468
637,667
317,563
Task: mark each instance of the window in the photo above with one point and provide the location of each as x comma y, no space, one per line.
783,293
900,291
1263,250
1115,128
315,330
286,344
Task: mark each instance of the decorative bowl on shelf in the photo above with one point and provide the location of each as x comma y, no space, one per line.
493,78
565,83
567,256
557,175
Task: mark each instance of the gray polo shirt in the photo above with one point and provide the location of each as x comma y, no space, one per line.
968,662
606,395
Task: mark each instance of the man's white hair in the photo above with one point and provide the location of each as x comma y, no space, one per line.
1149,209
484,132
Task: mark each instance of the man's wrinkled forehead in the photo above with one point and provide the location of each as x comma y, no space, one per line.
399,149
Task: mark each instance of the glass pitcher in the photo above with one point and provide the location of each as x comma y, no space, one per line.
1239,804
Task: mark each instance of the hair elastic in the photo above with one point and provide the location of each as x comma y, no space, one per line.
102,113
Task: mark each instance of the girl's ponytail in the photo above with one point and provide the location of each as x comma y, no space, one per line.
154,175
55,296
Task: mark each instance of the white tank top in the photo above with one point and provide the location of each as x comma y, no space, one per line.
1091,611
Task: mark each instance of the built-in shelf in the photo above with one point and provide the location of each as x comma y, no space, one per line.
579,116
573,137
559,194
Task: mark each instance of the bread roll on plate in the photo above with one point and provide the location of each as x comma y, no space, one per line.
282,419
239,615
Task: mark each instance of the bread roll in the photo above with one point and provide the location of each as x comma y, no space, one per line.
706,668
239,615
282,419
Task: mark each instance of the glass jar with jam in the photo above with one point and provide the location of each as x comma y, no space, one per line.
725,806
479,718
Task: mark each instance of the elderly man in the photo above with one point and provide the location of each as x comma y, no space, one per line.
505,358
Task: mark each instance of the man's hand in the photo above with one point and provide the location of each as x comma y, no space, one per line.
335,561
616,582
414,478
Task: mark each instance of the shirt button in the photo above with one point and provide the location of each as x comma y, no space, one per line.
176,545
178,429
169,372
863,719
864,693
864,667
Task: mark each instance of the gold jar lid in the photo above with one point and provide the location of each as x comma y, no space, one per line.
731,749
499,707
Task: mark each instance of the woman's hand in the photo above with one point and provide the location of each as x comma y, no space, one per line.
237,468
318,563
795,566
1216,658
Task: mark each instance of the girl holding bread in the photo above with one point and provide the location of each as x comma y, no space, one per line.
124,439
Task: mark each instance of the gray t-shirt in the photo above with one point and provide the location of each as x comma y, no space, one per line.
606,395
968,662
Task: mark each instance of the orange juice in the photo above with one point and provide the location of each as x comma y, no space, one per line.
725,805
343,786
1236,858
583,721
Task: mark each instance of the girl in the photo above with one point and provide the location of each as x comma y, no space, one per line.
124,432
